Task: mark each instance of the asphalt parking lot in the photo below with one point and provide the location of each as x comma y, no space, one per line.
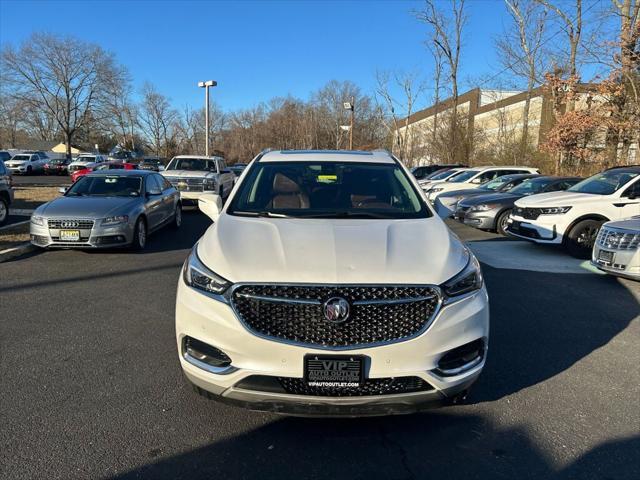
92,388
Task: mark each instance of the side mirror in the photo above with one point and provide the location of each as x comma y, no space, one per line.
63,190
211,205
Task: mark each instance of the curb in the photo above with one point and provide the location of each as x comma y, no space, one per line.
14,252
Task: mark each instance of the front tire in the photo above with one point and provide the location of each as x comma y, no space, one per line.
581,238
501,222
29,170
139,235
4,211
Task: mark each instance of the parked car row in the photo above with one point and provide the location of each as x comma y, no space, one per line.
588,217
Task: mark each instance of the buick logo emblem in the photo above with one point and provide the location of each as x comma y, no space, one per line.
336,310
69,224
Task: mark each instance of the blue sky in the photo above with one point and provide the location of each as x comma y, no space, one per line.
254,49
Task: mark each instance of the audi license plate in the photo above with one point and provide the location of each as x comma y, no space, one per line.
69,235
605,256
333,370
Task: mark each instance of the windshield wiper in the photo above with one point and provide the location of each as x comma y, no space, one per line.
259,214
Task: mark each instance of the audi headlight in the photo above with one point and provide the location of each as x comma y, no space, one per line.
209,184
115,220
198,276
468,280
36,220
554,210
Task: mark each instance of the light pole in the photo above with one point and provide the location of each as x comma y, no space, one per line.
350,106
206,85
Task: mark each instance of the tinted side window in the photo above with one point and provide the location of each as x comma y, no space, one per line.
2,170
632,190
162,182
152,184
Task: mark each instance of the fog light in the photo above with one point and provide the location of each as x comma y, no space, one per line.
205,353
461,359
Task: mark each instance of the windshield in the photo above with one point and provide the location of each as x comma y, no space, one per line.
443,175
327,190
497,183
86,159
106,186
193,164
605,183
463,176
531,186
21,157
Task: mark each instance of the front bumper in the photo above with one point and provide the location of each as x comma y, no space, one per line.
545,229
484,220
625,263
96,237
17,170
214,322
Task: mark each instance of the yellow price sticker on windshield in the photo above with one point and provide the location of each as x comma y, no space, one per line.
327,178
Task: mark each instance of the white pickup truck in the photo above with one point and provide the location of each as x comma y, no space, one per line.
194,176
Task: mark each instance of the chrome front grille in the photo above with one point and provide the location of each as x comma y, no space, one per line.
618,239
187,184
296,313
71,224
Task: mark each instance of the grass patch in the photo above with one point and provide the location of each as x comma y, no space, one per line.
32,197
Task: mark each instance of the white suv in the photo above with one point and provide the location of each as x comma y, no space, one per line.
573,217
327,286
473,178
86,160
26,163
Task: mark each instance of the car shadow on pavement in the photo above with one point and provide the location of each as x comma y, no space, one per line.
430,445
544,323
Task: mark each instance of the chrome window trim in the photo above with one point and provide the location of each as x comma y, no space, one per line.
436,288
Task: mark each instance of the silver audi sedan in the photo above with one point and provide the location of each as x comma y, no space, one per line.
110,208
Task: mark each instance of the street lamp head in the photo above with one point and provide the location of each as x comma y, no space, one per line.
348,105
208,83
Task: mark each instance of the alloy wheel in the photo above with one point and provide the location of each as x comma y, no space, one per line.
3,212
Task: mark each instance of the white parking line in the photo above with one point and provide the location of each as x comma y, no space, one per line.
518,255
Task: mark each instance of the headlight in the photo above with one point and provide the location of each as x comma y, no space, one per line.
37,220
554,210
198,276
468,280
118,219
209,184
483,207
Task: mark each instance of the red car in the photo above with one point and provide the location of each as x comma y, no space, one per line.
105,166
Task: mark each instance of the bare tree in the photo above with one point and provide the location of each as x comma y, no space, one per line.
400,110
156,119
521,51
62,74
119,111
446,33
571,20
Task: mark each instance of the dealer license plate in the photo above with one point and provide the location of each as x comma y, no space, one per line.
605,256
69,235
334,370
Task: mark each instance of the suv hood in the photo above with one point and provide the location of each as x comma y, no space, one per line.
560,199
187,173
85,207
329,251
